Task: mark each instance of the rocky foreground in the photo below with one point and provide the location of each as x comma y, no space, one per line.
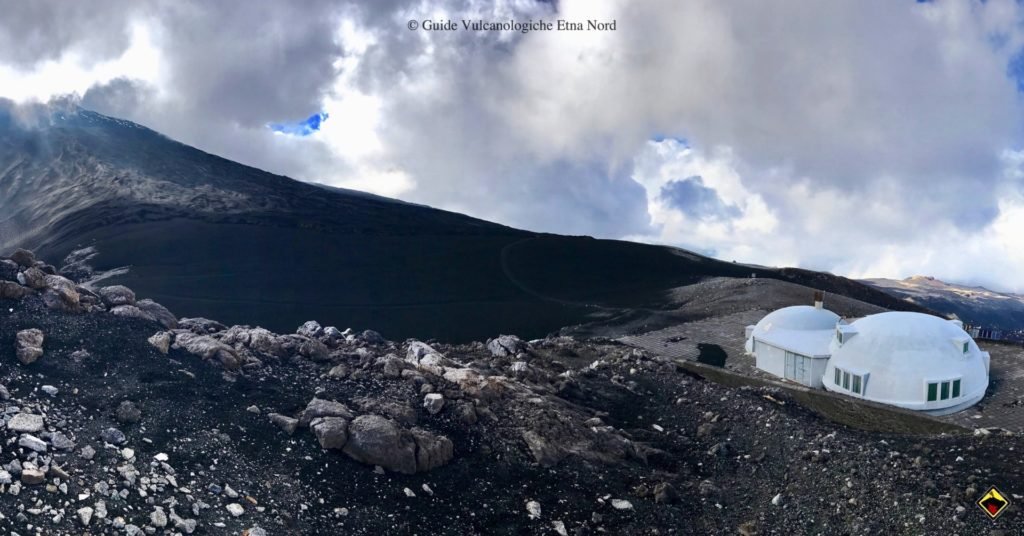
120,418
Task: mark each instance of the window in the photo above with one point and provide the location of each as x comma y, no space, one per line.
933,392
856,384
839,375
846,380
956,388
944,391
839,336
966,346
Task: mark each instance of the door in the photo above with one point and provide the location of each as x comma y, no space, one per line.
791,367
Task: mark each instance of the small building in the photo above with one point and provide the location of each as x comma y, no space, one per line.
911,360
793,342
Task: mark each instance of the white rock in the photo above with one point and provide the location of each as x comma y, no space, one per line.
777,499
50,390
434,402
427,489
127,453
533,509
25,422
160,457
235,509
409,492
621,504
32,442
85,515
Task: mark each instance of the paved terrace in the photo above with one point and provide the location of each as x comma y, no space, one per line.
1002,407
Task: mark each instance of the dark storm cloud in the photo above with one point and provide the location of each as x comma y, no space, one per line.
35,31
696,200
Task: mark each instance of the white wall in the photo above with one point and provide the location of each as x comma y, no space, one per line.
770,359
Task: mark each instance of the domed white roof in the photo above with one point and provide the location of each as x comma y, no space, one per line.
797,317
802,329
899,354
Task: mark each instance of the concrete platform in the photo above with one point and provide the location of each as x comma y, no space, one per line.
1002,406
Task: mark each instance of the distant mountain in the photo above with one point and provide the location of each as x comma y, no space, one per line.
976,305
209,237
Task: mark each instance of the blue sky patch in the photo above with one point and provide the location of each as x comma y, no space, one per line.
300,128
691,197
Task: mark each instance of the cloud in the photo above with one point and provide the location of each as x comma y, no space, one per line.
692,197
300,128
869,137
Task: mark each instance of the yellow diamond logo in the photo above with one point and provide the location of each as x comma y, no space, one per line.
993,502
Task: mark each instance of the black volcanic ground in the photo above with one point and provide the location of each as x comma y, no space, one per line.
209,237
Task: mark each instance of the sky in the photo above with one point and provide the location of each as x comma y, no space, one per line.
869,138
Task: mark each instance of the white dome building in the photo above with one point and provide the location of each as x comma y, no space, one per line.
911,360
793,342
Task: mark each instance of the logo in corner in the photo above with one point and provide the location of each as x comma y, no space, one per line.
993,502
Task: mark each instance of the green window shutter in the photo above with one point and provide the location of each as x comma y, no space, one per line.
956,388
846,380
933,391
856,384
945,390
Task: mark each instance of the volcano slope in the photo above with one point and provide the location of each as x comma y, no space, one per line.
210,237
132,421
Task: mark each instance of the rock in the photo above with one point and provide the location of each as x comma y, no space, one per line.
311,329
4,393
432,450
25,423
32,477
87,452
777,500
84,515
506,346
10,290
23,258
8,270
158,312
664,493
158,518
116,295
433,402
319,407
543,451
50,390
314,349
748,529
161,341
128,413
392,366
208,348
113,436
29,345
533,509
201,326
254,531
338,371
254,409
621,504
33,278
131,311
32,442
379,441
418,350
372,337
331,432
284,422
235,509
62,293
61,441
333,334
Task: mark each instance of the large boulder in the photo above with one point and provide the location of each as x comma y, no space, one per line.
432,450
207,348
506,346
161,341
131,311
379,441
319,407
331,432
60,293
24,258
29,345
159,312
33,278
117,295
311,329
12,291
417,350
